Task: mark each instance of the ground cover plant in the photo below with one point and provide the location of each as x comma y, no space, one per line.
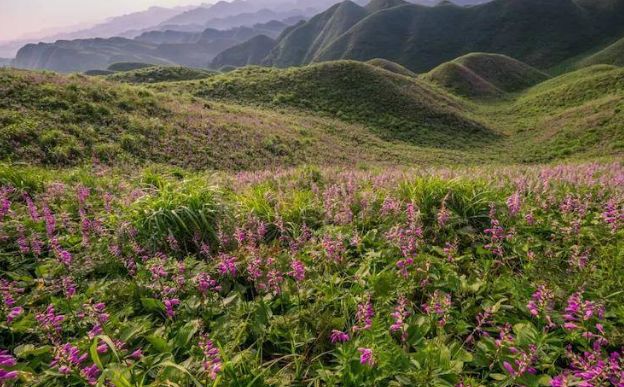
441,277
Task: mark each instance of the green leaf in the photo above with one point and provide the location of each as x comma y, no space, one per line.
498,376
152,304
171,364
159,344
186,333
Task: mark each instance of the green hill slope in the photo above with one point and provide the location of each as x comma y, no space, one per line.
391,66
393,106
485,75
304,42
612,55
251,52
155,74
577,114
68,120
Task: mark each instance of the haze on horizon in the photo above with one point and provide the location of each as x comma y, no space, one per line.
28,18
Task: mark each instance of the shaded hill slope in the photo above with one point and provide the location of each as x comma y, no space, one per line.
540,33
251,52
485,75
611,55
303,43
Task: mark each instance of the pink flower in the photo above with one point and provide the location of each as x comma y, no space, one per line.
513,203
212,358
399,315
364,315
439,305
14,313
205,283
541,301
366,356
227,265
298,270
338,337
7,361
170,304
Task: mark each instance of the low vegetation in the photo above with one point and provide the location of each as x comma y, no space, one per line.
490,276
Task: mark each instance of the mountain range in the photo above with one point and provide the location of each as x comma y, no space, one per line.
194,49
542,33
57,55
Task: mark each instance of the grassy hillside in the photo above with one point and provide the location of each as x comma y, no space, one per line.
485,75
612,55
578,114
393,106
155,74
251,52
128,66
302,43
68,120
391,66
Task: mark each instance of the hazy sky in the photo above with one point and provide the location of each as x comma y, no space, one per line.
19,17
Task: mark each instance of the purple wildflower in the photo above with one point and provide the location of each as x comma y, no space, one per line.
227,265
298,270
7,361
212,358
206,283
366,357
14,313
439,305
513,203
364,315
67,358
338,336
170,304
399,315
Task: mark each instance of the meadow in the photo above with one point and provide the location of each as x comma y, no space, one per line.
489,276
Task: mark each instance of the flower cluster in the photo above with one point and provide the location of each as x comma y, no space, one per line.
212,358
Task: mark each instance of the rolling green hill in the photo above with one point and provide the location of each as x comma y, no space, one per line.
612,55
393,106
155,74
304,42
579,114
539,33
63,120
251,52
391,66
485,75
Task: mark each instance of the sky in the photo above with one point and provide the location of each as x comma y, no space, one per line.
22,17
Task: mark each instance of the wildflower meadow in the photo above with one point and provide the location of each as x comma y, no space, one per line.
488,276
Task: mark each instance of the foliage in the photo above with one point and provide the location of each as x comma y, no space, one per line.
484,276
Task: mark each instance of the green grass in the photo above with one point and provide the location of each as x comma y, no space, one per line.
481,75
612,55
579,114
128,66
61,120
342,112
394,107
155,74
391,66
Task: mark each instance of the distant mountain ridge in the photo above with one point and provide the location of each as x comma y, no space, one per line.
158,47
541,33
